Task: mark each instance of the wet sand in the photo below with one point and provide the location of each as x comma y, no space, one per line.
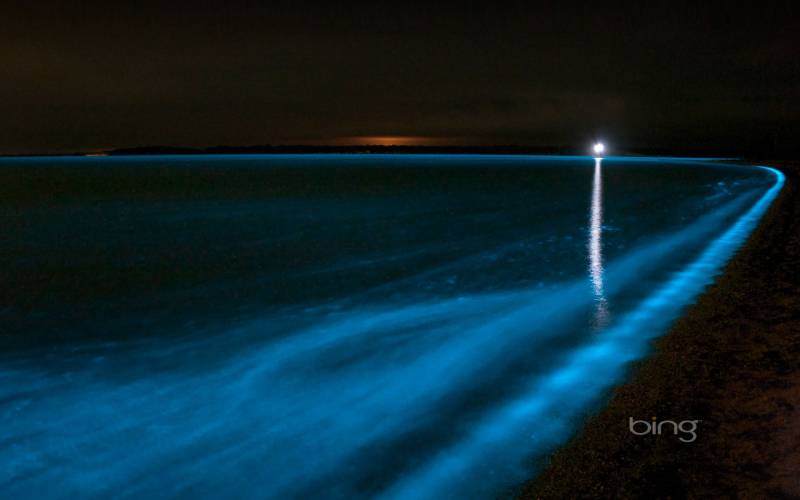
732,362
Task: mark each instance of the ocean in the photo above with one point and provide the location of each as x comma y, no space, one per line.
336,326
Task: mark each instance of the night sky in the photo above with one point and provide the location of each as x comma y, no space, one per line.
95,75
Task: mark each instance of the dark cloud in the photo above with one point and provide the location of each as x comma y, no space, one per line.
85,75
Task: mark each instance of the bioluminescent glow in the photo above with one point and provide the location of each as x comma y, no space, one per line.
545,409
595,245
599,148
427,341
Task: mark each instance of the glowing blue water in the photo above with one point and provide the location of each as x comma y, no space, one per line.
336,326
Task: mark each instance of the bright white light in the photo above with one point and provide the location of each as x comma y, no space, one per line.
599,148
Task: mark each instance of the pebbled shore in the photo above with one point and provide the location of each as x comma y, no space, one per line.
733,362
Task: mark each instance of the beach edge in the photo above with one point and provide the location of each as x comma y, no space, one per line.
727,363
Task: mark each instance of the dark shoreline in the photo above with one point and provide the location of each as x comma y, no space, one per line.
509,149
731,362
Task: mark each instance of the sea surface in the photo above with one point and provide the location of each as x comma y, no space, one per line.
335,326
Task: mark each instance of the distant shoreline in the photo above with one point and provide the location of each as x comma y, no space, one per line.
729,362
379,149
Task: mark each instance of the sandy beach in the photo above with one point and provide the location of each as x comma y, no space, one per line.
730,363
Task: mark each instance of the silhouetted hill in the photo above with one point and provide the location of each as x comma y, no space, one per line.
746,151
378,149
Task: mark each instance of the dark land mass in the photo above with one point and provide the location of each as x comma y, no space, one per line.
355,149
746,151
410,149
731,362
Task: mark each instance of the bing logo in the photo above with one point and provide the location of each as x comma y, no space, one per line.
685,428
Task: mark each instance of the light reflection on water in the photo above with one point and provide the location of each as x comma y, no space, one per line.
595,245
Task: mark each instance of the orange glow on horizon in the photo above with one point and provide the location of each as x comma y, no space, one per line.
389,140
